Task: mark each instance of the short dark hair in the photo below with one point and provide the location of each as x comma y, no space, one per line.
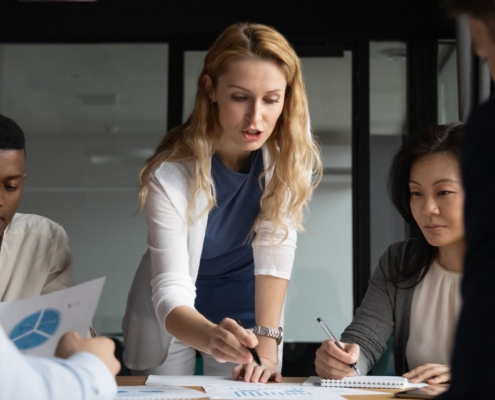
480,9
433,140
11,135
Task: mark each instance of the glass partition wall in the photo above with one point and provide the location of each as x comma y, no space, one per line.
448,95
91,114
388,127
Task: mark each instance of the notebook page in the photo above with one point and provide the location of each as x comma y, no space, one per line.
376,382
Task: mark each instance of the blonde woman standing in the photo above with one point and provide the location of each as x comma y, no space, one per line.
224,195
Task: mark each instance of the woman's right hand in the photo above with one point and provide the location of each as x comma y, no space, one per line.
228,342
333,363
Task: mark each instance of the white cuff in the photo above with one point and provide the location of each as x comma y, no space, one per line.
103,384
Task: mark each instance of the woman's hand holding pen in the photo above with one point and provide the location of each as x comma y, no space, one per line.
228,342
429,373
333,363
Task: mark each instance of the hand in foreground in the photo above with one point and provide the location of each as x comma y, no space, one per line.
228,342
333,363
252,372
430,373
102,347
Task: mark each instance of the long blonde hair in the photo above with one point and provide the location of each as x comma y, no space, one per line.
294,154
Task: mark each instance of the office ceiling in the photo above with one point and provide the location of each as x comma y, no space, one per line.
122,88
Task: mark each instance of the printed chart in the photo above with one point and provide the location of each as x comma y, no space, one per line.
266,392
35,329
36,324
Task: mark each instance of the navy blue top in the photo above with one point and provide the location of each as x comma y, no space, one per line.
225,283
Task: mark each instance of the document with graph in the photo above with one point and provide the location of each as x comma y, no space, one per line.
36,324
278,391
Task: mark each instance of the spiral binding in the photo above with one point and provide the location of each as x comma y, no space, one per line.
366,382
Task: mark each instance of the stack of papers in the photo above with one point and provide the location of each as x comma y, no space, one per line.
224,387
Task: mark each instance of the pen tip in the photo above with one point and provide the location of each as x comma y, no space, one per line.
318,319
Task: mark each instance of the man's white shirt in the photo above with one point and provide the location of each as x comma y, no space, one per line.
82,376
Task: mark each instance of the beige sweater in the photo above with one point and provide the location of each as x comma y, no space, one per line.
34,258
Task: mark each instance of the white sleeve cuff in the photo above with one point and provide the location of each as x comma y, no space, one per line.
275,257
104,386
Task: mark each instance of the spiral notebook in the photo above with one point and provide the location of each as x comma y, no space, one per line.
375,382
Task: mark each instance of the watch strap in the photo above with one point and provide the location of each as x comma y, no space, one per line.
269,332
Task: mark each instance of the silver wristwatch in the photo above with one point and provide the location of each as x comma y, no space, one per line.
270,332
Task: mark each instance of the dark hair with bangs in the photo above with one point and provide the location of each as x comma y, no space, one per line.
11,135
433,140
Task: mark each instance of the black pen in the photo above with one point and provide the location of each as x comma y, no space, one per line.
253,351
330,335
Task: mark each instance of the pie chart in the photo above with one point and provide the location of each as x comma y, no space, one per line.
35,329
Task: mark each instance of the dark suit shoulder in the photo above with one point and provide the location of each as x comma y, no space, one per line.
483,114
480,128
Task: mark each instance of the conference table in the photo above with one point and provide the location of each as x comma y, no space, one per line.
140,380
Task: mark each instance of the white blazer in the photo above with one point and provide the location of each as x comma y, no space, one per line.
167,274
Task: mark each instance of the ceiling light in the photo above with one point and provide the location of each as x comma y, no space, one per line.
394,53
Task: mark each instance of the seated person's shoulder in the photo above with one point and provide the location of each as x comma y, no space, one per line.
398,257
31,224
404,247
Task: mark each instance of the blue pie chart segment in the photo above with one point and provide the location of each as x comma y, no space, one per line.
49,321
25,326
35,329
29,341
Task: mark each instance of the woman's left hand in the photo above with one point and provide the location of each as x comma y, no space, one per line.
252,372
430,373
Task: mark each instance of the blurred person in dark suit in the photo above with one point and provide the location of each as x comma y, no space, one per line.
472,362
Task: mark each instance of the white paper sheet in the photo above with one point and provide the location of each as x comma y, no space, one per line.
193,380
269,391
321,390
36,324
340,391
157,393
